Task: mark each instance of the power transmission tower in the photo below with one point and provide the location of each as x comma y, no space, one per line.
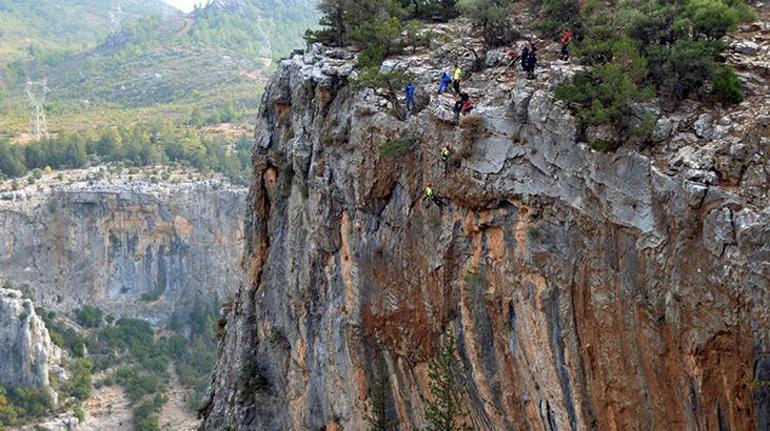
37,91
116,20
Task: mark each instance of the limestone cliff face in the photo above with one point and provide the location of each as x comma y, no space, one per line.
133,248
27,354
587,290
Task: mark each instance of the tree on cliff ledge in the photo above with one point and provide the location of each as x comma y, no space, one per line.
447,388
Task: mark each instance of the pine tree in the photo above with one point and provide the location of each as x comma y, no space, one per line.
492,17
379,395
446,386
333,19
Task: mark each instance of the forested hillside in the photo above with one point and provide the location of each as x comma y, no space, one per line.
192,68
72,24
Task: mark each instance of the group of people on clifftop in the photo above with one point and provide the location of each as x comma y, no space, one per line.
463,103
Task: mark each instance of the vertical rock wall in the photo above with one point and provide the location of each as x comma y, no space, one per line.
136,250
587,290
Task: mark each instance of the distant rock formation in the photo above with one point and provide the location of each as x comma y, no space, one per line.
131,247
28,357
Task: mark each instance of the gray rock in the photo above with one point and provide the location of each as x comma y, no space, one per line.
746,47
28,357
718,231
111,245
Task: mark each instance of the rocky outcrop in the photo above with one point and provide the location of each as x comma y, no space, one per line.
587,290
130,246
28,357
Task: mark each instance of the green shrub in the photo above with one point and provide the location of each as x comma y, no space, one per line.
712,19
684,66
474,277
30,403
253,378
79,384
492,16
79,413
146,414
8,414
89,316
606,95
276,336
370,57
138,383
559,15
396,147
726,87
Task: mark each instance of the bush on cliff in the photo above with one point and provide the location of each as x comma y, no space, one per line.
392,82
395,147
647,45
89,316
727,87
492,17
253,377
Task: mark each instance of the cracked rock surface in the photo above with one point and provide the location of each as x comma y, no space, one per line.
587,290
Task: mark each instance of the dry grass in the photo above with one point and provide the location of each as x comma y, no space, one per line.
471,129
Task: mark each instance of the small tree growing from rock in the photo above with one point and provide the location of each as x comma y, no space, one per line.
379,396
447,388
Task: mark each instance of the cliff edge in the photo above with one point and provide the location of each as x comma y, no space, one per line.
587,290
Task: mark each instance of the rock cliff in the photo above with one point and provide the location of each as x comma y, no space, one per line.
134,247
587,290
27,355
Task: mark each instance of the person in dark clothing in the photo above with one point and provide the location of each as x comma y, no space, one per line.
460,104
524,58
531,64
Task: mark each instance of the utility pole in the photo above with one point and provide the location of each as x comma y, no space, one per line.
37,91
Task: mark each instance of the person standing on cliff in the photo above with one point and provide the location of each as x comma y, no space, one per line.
565,42
525,58
445,82
456,77
409,91
460,105
531,64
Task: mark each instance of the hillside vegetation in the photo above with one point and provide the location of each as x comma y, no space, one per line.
213,59
70,25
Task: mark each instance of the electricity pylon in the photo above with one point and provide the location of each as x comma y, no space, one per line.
37,91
